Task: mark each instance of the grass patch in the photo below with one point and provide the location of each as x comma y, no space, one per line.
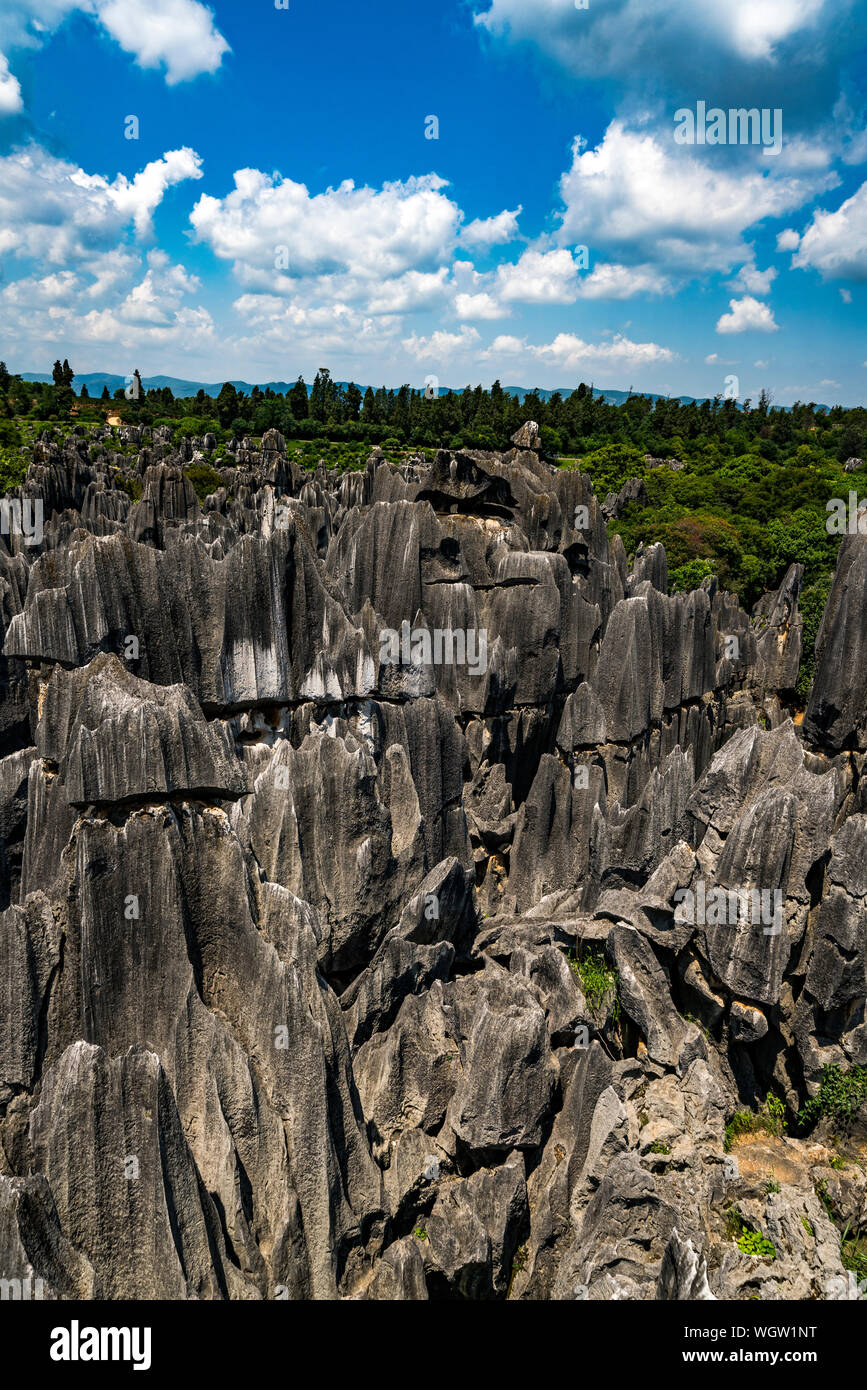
853,1253
598,980
769,1120
821,1190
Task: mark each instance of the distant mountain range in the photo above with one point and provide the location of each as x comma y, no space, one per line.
96,381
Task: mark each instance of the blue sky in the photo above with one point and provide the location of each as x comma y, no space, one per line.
282,208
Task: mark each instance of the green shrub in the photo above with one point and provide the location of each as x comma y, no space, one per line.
689,576
194,426
811,607
748,1241
10,434
204,479
133,487
758,1246
839,1098
598,979
13,468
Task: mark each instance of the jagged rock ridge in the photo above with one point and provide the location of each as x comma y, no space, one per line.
293,912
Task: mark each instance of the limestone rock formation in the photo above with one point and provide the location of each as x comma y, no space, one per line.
401,891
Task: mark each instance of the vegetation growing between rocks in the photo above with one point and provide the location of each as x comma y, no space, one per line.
839,1098
748,1241
204,479
133,487
752,1243
853,1252
598,980
770,1119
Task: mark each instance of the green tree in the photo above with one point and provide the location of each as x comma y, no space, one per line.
323,396
227,405
298,400
369,408
353,401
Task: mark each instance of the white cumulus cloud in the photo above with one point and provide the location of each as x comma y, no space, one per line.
680,46
606,37
55,211
754,281
539,277
491,231
441,346
179,35
835,243
366,232
479,306
612,281
745,315
569,351
10,90
107,302
640,194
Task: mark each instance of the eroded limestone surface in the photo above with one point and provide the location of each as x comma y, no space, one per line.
294,934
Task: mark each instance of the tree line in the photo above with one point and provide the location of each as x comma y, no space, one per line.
739,493
474,417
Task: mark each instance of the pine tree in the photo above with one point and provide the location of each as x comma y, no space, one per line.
368,407
299,403
324,396
353,401
227,404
